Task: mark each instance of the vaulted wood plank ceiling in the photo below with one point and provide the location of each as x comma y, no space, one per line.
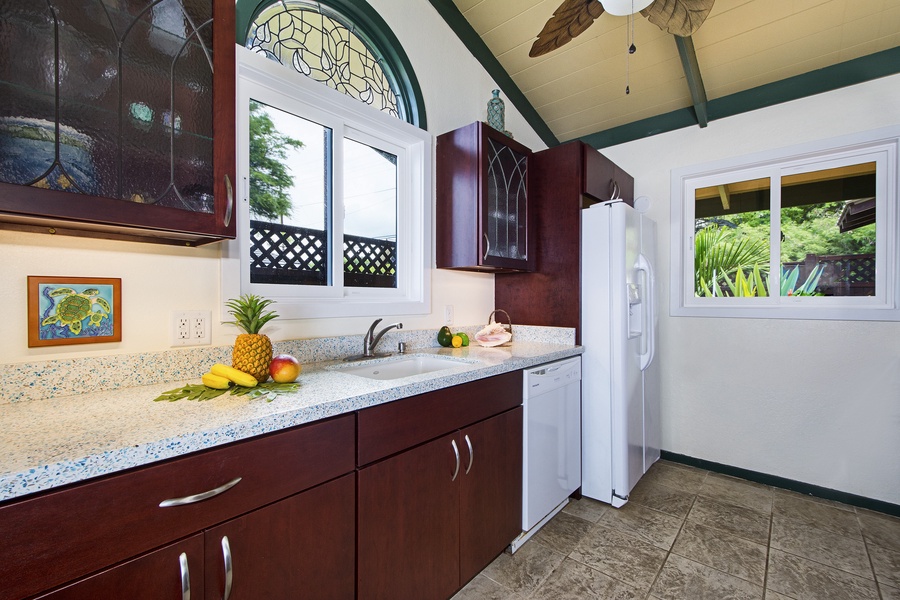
748,53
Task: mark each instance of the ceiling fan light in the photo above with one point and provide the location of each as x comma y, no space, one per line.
621,8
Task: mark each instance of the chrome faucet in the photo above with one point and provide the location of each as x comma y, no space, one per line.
371,340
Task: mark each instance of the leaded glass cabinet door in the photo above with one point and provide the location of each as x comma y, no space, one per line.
118,118
484,221
504,224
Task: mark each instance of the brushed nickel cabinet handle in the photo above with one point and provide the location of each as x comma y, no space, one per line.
455,452
487,247
229,195
201,496
229,573
471,454
185,577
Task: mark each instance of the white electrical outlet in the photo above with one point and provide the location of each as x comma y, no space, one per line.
191,328
448,314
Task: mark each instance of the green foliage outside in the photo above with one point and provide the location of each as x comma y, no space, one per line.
809,229
719,253
270,178
735,261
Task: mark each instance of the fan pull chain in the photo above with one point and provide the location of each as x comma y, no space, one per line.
631,47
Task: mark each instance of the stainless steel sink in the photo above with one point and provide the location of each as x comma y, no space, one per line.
403,367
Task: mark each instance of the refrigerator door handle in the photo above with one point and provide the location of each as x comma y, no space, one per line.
650,301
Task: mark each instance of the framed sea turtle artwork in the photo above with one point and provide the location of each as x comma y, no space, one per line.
74,310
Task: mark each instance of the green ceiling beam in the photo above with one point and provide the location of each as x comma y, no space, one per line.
851,72
482,54
692,74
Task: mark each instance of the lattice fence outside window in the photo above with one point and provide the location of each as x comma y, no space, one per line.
285,254
843,275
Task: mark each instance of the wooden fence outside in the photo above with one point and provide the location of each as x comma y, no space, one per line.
286,254
844,275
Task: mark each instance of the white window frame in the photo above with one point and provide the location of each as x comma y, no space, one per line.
880,146
273,84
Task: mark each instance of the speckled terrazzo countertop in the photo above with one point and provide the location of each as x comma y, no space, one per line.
57,441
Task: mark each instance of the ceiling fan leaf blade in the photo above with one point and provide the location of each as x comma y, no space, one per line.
678,17
570,20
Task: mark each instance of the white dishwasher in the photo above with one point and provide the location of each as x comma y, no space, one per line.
552,442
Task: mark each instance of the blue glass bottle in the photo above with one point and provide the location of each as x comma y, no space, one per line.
496,112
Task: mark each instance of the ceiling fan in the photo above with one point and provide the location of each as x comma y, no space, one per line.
573,17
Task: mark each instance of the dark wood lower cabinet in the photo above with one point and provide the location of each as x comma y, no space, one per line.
158,575
434,497
490,508
432,517
300,547
409,524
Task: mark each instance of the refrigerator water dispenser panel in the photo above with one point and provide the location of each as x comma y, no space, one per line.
635,311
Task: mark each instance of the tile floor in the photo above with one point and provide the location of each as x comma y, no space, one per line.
688,534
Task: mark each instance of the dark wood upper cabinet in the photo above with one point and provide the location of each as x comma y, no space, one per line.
602,179
484,217
128,133
565,179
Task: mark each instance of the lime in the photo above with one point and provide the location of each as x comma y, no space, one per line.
465,338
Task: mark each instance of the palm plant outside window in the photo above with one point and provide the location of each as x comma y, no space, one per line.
804,232
822,253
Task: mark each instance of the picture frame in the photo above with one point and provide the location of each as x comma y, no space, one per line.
74,310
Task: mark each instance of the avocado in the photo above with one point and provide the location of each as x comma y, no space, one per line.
445,336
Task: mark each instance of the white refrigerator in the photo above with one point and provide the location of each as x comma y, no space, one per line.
620,375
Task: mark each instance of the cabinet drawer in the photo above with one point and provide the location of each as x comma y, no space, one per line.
390,428
59,536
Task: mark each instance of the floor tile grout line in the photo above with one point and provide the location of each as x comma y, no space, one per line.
768,551
592,568
583,564
669,551
695,497
862,538
869,556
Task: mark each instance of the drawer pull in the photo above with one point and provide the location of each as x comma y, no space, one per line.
487,247
229,574
456,452
201,496
185,577
471,454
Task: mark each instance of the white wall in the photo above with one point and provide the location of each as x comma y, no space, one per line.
812,401
157,280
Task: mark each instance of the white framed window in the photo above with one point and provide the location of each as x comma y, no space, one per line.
808,232
351,234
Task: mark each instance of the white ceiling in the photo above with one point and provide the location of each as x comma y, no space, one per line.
579,89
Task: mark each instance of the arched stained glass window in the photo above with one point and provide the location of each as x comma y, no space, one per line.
324,43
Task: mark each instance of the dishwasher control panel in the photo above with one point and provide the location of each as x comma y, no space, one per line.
552,375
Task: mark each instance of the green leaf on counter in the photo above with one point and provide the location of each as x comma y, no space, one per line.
199,392
267,390
193,391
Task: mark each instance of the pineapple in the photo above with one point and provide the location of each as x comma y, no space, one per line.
252,350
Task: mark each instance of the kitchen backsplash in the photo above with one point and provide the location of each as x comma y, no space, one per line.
54,378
